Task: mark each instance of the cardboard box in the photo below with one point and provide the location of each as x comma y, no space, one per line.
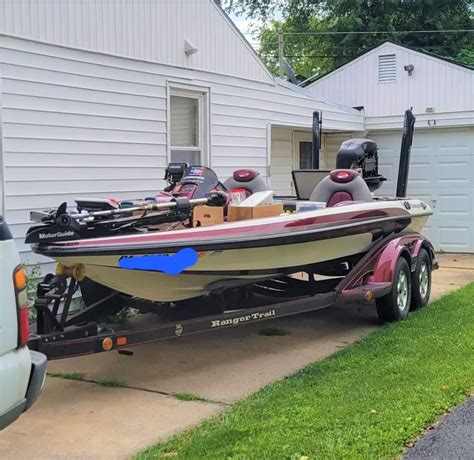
235,213
205,216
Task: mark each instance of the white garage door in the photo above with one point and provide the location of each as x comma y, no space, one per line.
442,174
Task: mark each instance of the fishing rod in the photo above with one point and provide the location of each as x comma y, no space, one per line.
58,225
149,207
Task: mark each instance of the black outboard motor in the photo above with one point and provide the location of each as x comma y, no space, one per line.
361,155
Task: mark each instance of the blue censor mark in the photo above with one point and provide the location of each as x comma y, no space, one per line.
172,264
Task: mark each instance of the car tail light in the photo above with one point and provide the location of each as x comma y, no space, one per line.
19,281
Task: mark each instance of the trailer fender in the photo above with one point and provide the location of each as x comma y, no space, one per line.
373,276
384,268
423,243
408,246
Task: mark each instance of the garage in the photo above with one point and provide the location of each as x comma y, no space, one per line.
440,92
441,174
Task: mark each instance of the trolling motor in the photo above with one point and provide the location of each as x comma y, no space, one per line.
59,225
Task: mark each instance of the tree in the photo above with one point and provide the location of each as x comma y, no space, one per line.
467,56
335,21
307,55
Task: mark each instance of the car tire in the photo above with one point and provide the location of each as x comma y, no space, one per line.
395,305
421,281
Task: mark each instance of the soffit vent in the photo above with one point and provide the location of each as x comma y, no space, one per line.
387,68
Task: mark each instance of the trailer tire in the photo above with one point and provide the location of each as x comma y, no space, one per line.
421,281
395,305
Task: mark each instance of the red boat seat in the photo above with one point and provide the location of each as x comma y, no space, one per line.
247,179
342,185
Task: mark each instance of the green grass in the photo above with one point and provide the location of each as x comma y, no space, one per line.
68,375
188,397
366,401
113,383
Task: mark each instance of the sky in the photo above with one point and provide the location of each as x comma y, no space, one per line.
245,26
241,22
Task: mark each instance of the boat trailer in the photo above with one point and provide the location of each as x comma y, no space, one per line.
59,334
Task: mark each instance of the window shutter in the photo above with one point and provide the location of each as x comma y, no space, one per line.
387,68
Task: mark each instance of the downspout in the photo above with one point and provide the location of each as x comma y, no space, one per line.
366,132
269,153
2,163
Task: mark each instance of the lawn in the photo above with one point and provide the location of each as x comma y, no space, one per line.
366,401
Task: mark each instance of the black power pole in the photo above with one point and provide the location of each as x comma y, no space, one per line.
316,146
405,150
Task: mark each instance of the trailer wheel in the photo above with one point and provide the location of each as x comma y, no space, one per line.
421,281
396,304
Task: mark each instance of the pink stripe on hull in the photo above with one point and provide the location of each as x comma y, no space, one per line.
185,235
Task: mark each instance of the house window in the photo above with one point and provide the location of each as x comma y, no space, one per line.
387,68
186,128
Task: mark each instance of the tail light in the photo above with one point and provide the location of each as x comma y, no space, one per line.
19,281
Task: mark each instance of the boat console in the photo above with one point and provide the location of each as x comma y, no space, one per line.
197,182
174,172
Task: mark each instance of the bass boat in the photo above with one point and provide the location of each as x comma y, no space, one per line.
150,249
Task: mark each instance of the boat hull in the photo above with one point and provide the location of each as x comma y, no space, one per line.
236,254
217,269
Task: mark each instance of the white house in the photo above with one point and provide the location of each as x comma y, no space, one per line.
97,96
390,78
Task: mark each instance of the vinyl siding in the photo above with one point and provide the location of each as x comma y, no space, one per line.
331,144
148,30
434,83
77,123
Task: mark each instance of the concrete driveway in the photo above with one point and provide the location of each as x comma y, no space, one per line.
84,419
